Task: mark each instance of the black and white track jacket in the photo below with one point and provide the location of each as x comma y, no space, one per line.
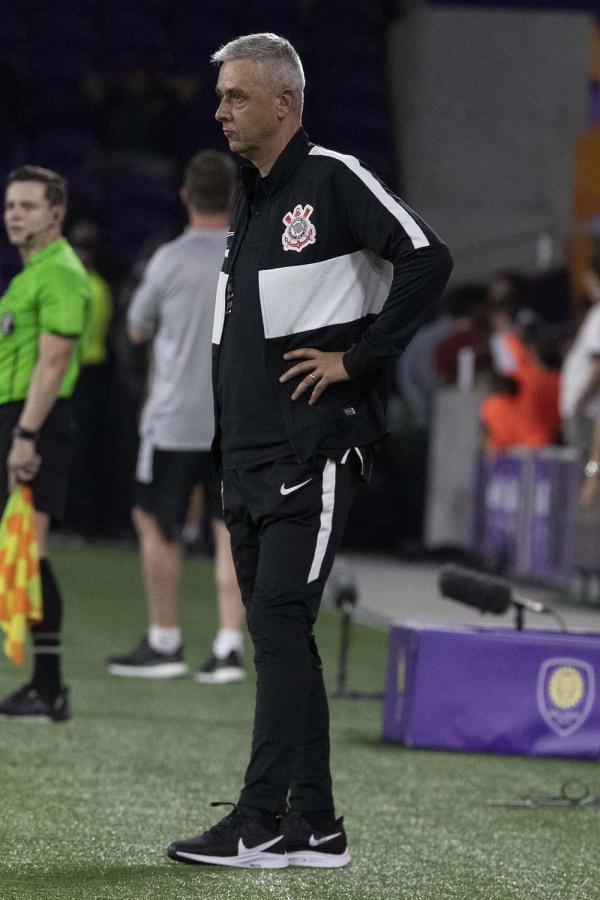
345,266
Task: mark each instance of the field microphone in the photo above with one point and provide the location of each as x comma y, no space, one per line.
489,595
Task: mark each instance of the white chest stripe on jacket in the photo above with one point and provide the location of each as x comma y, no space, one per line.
329,292
410,225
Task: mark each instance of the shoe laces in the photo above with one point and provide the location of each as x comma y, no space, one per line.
230,821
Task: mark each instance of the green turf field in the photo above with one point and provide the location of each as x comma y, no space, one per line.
88,807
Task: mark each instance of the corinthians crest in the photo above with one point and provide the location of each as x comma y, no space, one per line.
300,231
565,693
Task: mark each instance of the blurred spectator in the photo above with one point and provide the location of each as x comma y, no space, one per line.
506,315
13,109
85,238
137,112
498,414
523,410
590,490
467,313
416,372
87,513
580,377
404,458
507,289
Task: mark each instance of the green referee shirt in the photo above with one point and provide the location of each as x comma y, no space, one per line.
49,296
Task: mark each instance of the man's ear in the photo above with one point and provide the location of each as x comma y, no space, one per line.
58,214
285,103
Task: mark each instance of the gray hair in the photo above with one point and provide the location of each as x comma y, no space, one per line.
280,63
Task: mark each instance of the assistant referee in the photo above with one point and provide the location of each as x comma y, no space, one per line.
42,315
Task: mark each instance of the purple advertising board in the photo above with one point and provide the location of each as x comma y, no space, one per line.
551,524
502,498
494,691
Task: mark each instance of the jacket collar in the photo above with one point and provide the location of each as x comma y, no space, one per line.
47,252
285,166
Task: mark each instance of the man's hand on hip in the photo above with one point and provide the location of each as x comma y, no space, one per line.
23,462
319,370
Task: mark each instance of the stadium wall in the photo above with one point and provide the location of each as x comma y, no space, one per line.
488,105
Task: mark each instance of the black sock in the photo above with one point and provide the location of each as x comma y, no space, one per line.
267,819
322,820
46,637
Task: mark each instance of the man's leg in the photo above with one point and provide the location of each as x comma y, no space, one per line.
45,697
158,655
161,569
164,481
46,635
283,544
239,839
231,610
225,664
299,538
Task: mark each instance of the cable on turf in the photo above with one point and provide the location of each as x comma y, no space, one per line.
572,794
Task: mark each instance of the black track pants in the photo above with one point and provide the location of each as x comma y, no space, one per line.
286,520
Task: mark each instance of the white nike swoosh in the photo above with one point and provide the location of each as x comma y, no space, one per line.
295,487
316,842
243,850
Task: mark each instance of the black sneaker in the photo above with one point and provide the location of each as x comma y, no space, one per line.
307,847
28,705
237,840
144,662
221,671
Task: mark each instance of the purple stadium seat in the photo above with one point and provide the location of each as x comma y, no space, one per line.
14,153
199,129
86,195
287,19
147,193
355,16
69,150
13,28
62,29
61,7
132,38
160,9
129,227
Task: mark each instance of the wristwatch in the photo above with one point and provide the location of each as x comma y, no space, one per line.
592,468
24,433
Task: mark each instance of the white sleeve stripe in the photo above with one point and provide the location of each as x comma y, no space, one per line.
411,227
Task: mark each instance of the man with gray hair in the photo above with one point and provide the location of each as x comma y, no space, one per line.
327,275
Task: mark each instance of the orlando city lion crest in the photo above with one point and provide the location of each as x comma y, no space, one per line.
299,231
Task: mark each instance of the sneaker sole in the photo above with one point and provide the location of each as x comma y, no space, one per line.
164,670
256,861
221,676
317,860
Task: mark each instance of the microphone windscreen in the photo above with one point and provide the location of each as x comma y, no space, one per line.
481,591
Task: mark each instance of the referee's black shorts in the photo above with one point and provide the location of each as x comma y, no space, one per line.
165,480
55,445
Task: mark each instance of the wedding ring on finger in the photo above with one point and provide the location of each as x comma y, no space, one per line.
310,375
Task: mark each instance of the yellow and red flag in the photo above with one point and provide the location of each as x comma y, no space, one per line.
20,585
